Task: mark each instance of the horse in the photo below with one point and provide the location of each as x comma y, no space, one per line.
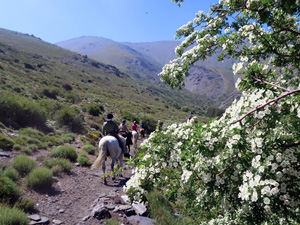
109,146
128,137
142,132
135,136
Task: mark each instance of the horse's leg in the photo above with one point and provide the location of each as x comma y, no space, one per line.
103,169
120,163
112,167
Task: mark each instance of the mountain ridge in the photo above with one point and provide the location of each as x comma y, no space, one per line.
146,59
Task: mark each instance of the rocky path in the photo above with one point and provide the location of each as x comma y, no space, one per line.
80,197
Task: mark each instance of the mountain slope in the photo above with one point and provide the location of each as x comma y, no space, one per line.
29,66
145,61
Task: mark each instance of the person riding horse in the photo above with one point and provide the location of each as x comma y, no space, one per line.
112,129
142,130
124,131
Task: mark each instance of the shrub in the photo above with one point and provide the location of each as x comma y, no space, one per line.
11,173
26,205
83,159
6,143
50,93
23,164
30,132
69,117
89,149
58,164
65,152
69,137
12,216
95,109
67,86
9,192
52,140
18,111
129,116
40,178
161,209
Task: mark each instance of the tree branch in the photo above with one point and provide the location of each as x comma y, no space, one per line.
264,105
227,168
274,85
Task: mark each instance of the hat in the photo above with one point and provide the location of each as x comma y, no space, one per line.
109,117
123,121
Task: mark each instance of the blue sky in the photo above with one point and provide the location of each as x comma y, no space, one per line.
119,20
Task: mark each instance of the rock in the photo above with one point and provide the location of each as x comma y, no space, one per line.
61,211
141,220
86,218
3,154
125,207
102,213
125,198
140,209
55,221
129,212
43,220
35,217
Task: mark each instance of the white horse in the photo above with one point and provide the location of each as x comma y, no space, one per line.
109,145
135,136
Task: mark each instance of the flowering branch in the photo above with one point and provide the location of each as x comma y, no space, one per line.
264,105
274,85
228,167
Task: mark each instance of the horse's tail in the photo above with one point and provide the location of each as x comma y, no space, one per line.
101,157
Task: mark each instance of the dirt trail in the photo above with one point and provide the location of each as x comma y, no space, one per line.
72,195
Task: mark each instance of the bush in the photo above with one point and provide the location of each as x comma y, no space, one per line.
69,137
30,132
40,179
6,143
83,159
95,110
50,93
160,209
52,140
12,216
67,86
23,164
26,205
11,173
69,117
129,116
65,152
18,111
89,149
9,192
58,164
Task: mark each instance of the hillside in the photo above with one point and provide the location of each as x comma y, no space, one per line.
211,78
31,67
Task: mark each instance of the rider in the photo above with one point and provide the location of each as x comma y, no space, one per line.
142,130
112,129
134,126
123,127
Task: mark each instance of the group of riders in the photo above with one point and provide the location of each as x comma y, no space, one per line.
111,128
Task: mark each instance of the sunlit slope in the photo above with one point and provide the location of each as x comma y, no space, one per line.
28,65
